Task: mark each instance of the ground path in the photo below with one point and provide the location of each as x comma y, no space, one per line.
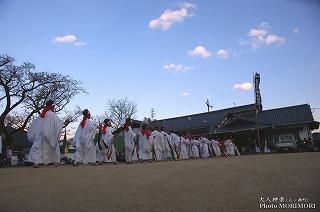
222,184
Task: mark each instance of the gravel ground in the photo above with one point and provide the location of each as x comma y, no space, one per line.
219,184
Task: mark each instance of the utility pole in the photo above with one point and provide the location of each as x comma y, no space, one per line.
258,103
208,105
153,114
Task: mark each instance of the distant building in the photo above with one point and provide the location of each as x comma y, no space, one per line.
242,123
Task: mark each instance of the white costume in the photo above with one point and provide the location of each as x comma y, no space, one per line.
188,147
84,142
129,145
144,147
175,143
194,148
156,141
184,152
229,147
166,143
108,151
44,133
216,148
204,147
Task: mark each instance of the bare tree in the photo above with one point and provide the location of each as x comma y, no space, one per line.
24,92
120,109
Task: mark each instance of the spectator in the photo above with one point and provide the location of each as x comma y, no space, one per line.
20,156
9,155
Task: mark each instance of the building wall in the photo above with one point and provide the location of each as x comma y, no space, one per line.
304,133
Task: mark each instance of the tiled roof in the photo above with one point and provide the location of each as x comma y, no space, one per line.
267,118
287,115
213,118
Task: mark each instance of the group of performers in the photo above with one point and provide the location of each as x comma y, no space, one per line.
141,146
158,145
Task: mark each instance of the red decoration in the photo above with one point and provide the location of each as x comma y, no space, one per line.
45,110
104,129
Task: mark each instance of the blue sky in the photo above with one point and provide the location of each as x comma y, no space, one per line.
171,55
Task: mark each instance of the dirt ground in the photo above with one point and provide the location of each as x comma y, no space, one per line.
219,184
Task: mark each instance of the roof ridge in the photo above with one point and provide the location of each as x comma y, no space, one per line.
293,106
186,116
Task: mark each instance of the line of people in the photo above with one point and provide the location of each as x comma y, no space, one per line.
142,146
161,146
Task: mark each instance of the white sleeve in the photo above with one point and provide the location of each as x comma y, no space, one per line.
35,129
76,138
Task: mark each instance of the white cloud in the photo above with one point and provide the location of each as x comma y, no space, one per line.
296,30
274,39
169,17
223,54
177,68
243,86
258,33
187,5
185,94
243,42
78,43
69,39
65,39
200,51
260,36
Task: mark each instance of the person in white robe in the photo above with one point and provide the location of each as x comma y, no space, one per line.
162,145
188,145
194,148
156,141
44,133
84,141
204,147
210,146
145,147
130,148
175,143
216,148
167,153
229,147
236,150
266,149
106,148
183,147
